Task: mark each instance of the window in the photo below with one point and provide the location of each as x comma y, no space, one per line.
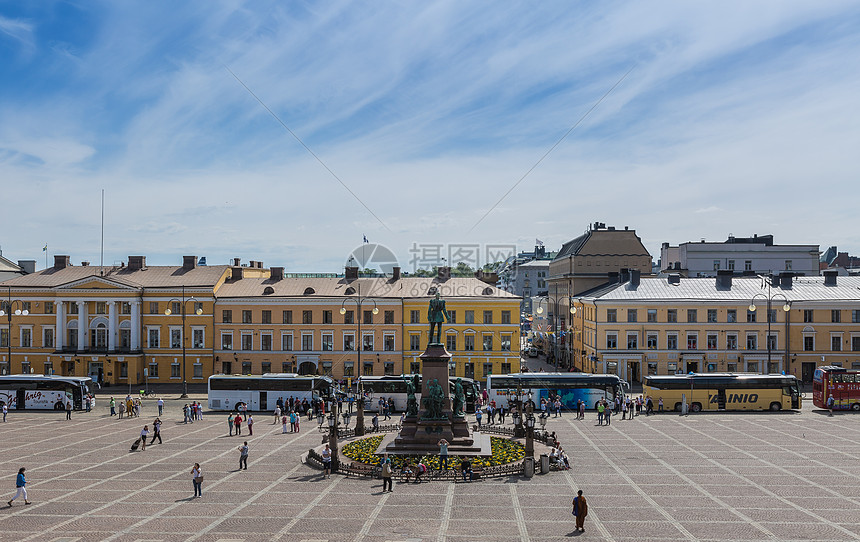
651,341
175,338
652,315
26,337
750,316
809,344
368,343
389,317
506,368
731,315
611,315
266,317
226,316
835,316
48,338
836,343
731,265
716,265
469,343
414,317
488,369
153,307
153,337
632,341
125,308
692,315
327,342
349,317
307,342
506,317
246,367
712,342
488,343
286,367
752,342
453,316
4,337
368,368
101,307
771,315
748,265
771,342
632,315
246,317
174,370
731,342
197,370
506,343
176,307
788,265
388,343
855,343
348,368
451,342
671,342
287,317
368,317
692,341
470,317
389,368
415,367
672,315
198,306
49,307
611,341
153,370
752,367
307,317
247,341
349,343
73,307
286,343
415,342
197,338
226,341
123,370
712,315
855,316
469,369
488,317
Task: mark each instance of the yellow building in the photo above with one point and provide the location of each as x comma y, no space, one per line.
124,325
663,325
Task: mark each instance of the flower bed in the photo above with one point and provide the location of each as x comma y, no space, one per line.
505,451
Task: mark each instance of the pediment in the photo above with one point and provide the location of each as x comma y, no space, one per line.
97,283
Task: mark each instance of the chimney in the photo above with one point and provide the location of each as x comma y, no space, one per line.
236,273
351,272
774,280
252,264
28,266
830,277
613,277
395,273
724,279
443,272
277,273
189,262
625,275
259,265
136,263
237,262
85,264
674,278
634,277
62,262
785,280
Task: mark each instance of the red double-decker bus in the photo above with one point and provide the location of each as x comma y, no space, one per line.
841,384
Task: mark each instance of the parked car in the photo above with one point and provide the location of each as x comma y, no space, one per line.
533,352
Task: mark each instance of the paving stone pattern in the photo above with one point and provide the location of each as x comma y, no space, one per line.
778,477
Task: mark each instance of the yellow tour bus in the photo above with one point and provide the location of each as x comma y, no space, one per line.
724,391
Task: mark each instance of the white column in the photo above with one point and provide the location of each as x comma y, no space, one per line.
112,331
82,325
135,325
60,333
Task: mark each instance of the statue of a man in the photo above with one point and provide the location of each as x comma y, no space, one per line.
435,402
411,400
459,399
436,314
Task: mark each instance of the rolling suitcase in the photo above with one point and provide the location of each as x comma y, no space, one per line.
135,445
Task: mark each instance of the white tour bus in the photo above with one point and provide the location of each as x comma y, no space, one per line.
43,392
571,387
394,386
261,392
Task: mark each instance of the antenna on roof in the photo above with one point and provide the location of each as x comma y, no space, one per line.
102,257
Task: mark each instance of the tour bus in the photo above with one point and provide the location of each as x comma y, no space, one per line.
843,385
724,391
394,386
261,392
570,387
43,392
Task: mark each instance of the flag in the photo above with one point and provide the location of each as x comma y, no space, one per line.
538,242
365,239
45,248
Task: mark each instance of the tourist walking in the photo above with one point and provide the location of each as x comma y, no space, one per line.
5,412
580,510
443,454
293,420
243,456
284,420
21,485
326,458
830,402
160,406
230,423
607,416
466,469
386,475
600,412
581,410
237,423
143,434
156,431
68,410
624,409
112,407
278,415
197,480
478,416
660,405
649,406
250,425
121,409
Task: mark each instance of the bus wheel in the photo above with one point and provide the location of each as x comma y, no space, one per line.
774,407
677,407
697,407
855,407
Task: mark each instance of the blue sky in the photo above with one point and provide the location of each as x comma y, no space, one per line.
737,118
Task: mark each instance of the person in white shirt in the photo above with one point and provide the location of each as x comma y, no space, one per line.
143,434
5,412
160,406
197,480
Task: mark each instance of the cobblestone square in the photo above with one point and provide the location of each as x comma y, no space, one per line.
714,477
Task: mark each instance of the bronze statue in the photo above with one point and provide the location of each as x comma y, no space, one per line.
411,400
436,314
434,404
459,399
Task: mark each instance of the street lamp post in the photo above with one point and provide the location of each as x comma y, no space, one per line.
183,303
530,435
332,435
21,311
518,416
769,297
359,302
539,310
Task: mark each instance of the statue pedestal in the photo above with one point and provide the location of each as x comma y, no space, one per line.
420,435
